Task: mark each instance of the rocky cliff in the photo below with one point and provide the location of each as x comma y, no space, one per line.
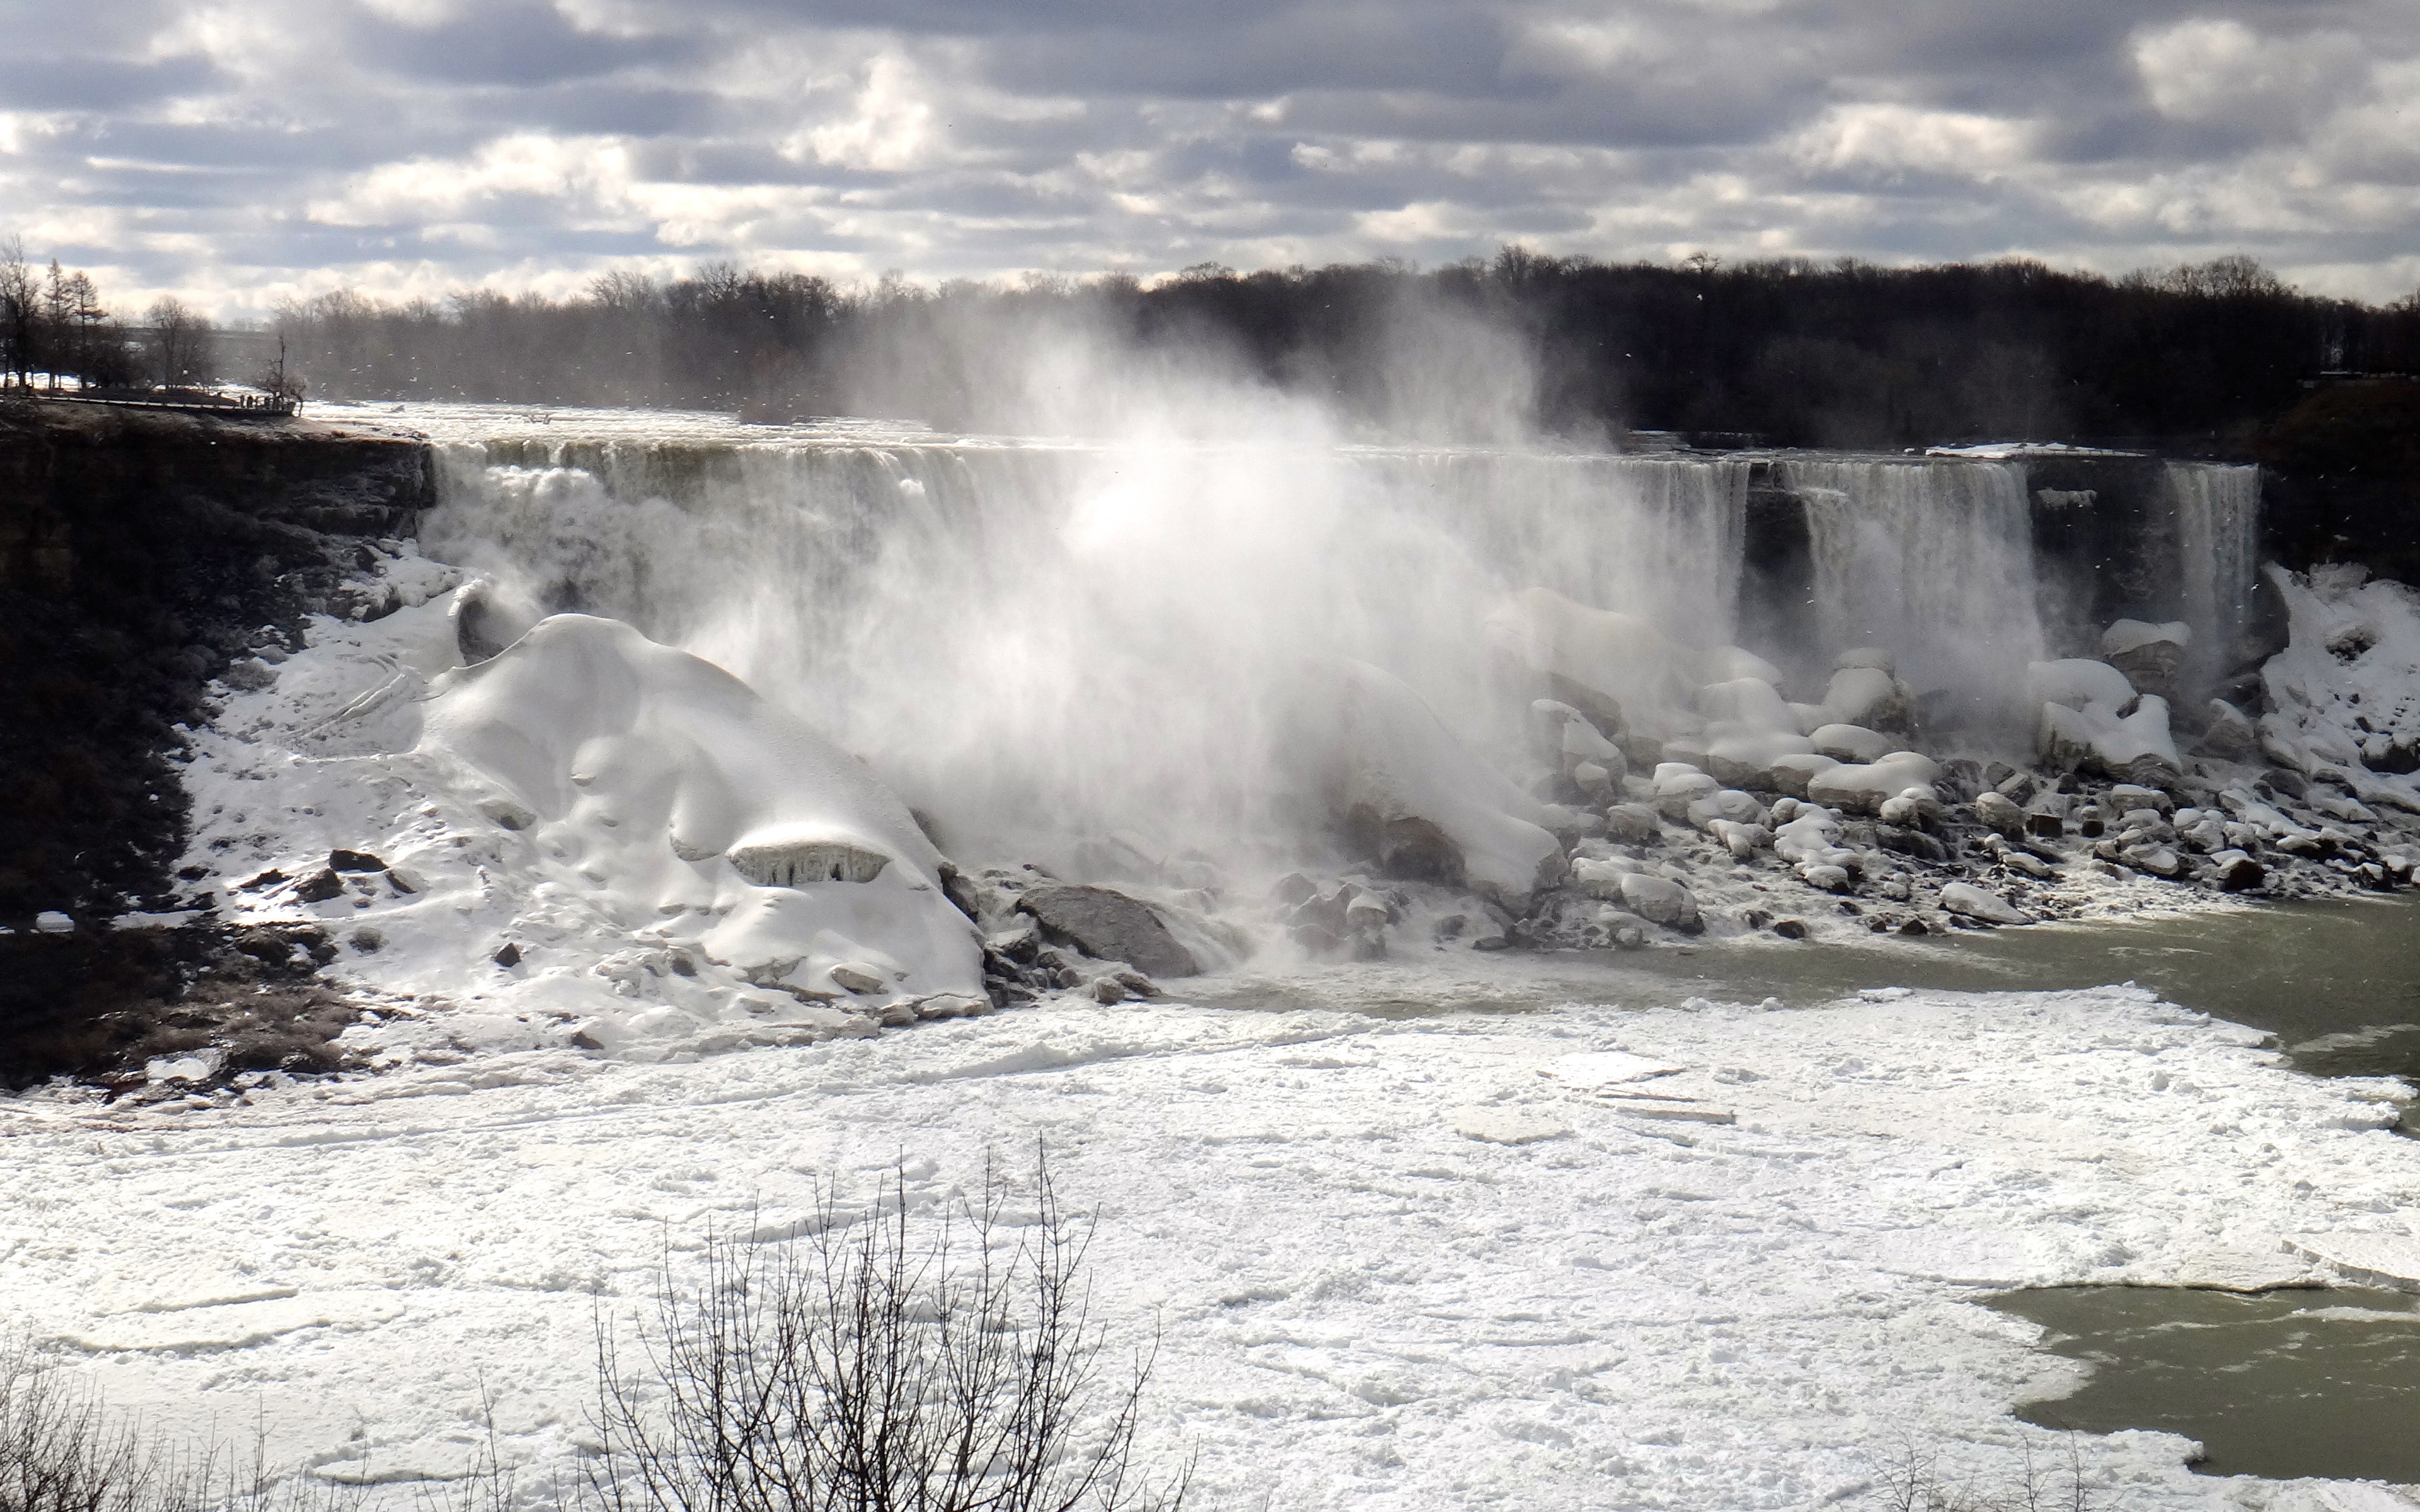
140,550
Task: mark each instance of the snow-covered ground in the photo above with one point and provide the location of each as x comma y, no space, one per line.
1427,1262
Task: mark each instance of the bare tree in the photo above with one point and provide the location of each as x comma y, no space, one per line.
182,337
883,1365
17,313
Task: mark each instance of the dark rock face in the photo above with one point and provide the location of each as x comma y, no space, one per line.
141,554
98,1004
1108,926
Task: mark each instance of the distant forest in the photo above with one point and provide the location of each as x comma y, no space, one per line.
1838,354
1790,352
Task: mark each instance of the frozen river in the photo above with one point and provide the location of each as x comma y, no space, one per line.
1417,1257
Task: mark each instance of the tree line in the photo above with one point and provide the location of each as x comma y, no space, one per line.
1794,353
55,331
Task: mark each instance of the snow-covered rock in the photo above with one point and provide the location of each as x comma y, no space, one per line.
2344,695
1613,667
1864,787
1755,760
2093,718
1791,774
1851,742
2078,682
1872,697
1964,897
2138,745
1748,701
2227,733
2149,654
1111,926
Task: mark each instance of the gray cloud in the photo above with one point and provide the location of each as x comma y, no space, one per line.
260,148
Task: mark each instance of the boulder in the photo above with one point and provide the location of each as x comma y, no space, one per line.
1791,774
1872,697
1749,701
2149,654
1996,812
1634,824
1971,901
857,979
1616,669
1748,760
1725,663
1863,788
1562,737
1851,742
2078,682
2228,732
1409,794
1659,900
2235,870
2134,747
1108,926
1677,785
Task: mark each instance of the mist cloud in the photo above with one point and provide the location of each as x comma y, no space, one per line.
241,151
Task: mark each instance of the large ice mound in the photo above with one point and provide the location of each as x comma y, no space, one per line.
586,838
680,801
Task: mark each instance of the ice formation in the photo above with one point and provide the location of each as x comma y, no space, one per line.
584,837
2344,695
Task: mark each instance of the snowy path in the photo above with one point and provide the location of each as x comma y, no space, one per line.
1363,1304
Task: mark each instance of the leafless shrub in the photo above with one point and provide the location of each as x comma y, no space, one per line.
62,1449
940,1365
1916,1478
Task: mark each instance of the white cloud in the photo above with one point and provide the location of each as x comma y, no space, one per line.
235,146
2225,72
1898,139
589,178
890,123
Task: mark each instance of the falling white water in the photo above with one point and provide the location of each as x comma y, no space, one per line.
1931,560
2217,512
1036,642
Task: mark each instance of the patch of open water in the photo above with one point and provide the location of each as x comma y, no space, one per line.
2318,1382
2336,980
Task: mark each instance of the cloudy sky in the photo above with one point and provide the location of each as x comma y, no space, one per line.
240,150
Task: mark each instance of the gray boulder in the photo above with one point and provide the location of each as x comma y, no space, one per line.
1976,903
1108,926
